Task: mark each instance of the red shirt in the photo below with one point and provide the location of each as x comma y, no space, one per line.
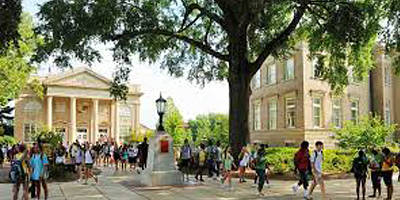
302,159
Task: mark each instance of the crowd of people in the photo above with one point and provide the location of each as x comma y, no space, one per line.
308,167
29,165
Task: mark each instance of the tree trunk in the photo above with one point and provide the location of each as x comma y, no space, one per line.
239,95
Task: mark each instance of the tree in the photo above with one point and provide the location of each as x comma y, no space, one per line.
211,126
369,132
15,68
173,123
223,39
10,16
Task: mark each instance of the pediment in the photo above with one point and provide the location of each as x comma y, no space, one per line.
87,79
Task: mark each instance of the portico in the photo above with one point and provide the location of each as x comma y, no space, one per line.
78,105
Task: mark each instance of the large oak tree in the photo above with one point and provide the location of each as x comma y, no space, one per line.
222,39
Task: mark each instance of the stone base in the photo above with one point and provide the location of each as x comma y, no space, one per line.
163,178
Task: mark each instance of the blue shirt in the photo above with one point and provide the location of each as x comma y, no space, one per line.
37,163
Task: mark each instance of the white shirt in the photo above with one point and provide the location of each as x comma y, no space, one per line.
88,157
245,160
317,162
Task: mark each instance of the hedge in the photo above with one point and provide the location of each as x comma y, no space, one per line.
280,160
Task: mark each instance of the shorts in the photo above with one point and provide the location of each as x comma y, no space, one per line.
318,178
387,177
185,162
132,160
89,165
78,164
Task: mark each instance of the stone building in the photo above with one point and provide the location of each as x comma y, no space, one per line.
78,105
290,103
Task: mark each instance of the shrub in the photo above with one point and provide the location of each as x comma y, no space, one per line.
7,140
280,160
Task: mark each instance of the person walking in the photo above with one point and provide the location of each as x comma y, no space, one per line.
88,159
360,170
125,156
132,157
387,171
1,156
219,157
143,152
244,158
38,162
78,161
260,165
186,156
45,172
20,172
201,163
211,158
116,156
317,159
375,167
302,168
253,156
228,162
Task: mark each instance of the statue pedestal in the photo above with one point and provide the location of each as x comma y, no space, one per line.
161,170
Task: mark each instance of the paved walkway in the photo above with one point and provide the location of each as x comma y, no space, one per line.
115,186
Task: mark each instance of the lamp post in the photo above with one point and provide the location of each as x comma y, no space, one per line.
160,103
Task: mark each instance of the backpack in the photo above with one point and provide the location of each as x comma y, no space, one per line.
16,172
302,161
359,166
316,155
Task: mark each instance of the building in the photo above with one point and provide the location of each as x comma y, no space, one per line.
290,103
77,104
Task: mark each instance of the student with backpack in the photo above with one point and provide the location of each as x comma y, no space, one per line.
387,171
375,167
185,157
317,159
38,162
360,170
211,159
228,162
302,168
19,172
261,165
244,158
88,160
201,163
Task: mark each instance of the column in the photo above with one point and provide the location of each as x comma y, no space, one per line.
72,133
95,120
116,137
136,118
112,117
49,112
133,118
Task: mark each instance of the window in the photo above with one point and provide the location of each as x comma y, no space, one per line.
256,80
271,74
29,130
289,69
103,132
316,70
387,76
60,106
354,111
62,132
290,105
272,114
316,112
387,113
81,134
337,113
257,116
32,106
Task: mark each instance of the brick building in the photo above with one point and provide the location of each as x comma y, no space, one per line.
290,103
78,105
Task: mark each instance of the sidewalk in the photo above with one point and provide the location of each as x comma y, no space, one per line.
115,185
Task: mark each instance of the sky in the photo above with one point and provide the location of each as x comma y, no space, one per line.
190,98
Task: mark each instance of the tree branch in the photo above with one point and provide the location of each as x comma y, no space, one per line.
279,39
214,17
200,45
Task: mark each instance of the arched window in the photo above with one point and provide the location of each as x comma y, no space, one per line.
32,106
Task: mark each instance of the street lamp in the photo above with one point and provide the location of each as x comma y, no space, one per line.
160,103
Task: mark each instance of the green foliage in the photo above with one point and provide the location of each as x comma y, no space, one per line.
10,11
174,124
369,132
15,68
280,160
211,126
46,136
7,140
